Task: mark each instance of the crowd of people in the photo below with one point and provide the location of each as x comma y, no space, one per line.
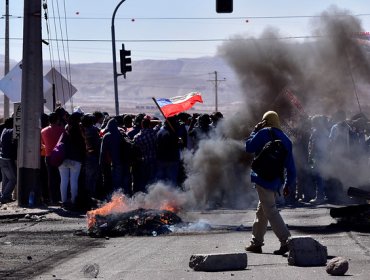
106,153
332,152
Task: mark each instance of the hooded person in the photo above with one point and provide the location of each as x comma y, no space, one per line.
267,211
201,130
110,152
271,119
168,152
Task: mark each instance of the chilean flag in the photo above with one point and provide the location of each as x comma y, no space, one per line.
174,105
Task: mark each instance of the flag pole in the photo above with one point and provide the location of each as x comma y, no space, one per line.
159,108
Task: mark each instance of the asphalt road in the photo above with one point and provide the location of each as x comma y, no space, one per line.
51,245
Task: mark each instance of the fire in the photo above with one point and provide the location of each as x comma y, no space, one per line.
120,204
169,207
116,205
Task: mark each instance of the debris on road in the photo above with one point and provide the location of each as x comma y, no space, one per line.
139,222
337,266
91,270
218,262
306,251
354,216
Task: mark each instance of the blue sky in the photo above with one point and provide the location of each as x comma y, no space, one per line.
139,22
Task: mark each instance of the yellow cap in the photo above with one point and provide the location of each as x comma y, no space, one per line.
272,119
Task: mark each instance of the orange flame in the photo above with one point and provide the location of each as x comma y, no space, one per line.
117,204
120,203
167,205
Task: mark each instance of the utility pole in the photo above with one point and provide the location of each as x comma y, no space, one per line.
216,88
31,104
6,62
115,75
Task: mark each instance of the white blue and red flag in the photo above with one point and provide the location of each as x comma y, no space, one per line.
174,105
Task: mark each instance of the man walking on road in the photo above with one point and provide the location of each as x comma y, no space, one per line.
267,188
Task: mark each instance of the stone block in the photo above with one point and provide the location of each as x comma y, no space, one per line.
337,266
306,251
218,262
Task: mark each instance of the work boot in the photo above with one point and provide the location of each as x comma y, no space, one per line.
317,200
283,249
254,248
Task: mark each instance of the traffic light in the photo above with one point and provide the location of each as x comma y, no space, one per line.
125,61
224,6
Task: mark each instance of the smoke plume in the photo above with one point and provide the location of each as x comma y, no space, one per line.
326,73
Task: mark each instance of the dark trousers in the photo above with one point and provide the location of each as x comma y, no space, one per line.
92,171
9,176
146,175
53,182
168,171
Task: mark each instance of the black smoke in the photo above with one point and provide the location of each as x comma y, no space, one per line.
327,72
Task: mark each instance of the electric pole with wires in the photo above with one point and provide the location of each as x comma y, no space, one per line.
216,80
31,105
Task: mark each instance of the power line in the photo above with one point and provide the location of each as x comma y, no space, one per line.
180,40
206,18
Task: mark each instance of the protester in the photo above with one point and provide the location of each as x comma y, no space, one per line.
201,130
267,211
98,119
318,156
92,150
146,140
49,138
357,140
127,123
339,151
120,123
104,124
130,158
216,117
137,126
110,156
8,162
43,169
304,191
71,167
183,134
62,116
339,136
168,152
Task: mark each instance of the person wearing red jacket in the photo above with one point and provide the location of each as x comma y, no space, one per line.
49,138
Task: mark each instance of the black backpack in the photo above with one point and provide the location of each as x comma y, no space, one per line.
269,163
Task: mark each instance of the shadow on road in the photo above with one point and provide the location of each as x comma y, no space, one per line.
330,229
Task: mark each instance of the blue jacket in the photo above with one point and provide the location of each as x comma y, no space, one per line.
254,144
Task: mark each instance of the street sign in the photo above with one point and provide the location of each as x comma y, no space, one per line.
17,121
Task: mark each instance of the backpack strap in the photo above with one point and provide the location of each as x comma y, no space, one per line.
272,134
